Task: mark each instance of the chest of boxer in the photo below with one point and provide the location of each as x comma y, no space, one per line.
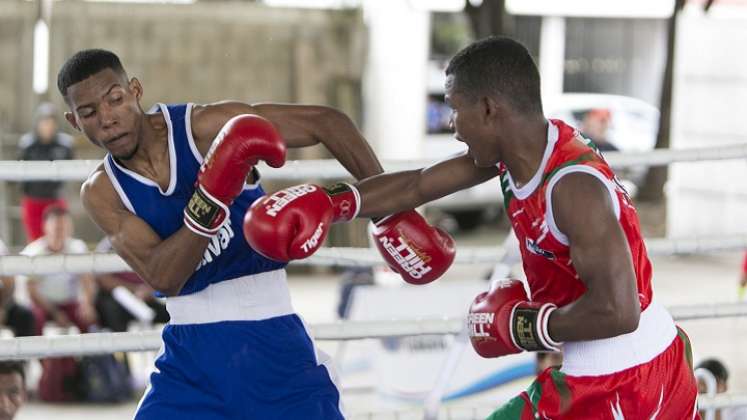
228,256
545,250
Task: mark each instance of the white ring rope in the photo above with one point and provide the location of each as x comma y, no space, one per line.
98,343
466,411
722,401
11,265
304,170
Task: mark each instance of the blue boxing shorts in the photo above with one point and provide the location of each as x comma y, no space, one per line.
236,350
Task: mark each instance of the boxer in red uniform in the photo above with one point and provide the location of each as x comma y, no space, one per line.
582,249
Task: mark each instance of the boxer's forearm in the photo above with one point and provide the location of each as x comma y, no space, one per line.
389,193
164,265
588,319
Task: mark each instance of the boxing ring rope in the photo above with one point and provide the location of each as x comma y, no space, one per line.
11,265
461,412
304,170
99,343
104,343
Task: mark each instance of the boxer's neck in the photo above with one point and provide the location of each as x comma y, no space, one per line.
152,157
523,149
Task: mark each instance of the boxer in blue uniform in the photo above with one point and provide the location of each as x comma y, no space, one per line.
170,195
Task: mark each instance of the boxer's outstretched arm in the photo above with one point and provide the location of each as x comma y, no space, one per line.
300,126
601,256
394,192
164,264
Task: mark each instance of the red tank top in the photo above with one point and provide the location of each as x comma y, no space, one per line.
544,249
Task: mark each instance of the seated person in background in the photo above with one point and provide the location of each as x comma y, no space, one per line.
713,370
12,388
16,317
58,297
595,127
113,312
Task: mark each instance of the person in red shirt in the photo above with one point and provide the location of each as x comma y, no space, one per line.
45,142
583,253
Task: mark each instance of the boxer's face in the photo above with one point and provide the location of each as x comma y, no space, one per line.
106,108
473,124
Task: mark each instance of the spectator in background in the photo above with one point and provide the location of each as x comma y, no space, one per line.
715,372
112,310
595,127
18,318
45,142
65,298
12,388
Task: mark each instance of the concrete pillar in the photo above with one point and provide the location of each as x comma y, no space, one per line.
394,84
552,55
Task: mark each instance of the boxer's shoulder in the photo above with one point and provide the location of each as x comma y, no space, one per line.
208,119
98,192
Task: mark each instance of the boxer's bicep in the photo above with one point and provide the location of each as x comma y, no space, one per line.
583,211
452,175
397,191
306,125
299,125
207,121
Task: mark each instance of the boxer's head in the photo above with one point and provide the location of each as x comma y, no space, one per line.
104,103
489,83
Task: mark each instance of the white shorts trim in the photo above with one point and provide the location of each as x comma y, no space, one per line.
249,298
655,332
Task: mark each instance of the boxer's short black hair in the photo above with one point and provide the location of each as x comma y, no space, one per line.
85,64
499,67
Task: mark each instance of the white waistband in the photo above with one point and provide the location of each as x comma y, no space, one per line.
249,298
655,332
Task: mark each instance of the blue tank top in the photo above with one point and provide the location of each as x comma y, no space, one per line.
228,255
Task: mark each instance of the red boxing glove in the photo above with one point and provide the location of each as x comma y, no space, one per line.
419,252
241,143
502,321
293,223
